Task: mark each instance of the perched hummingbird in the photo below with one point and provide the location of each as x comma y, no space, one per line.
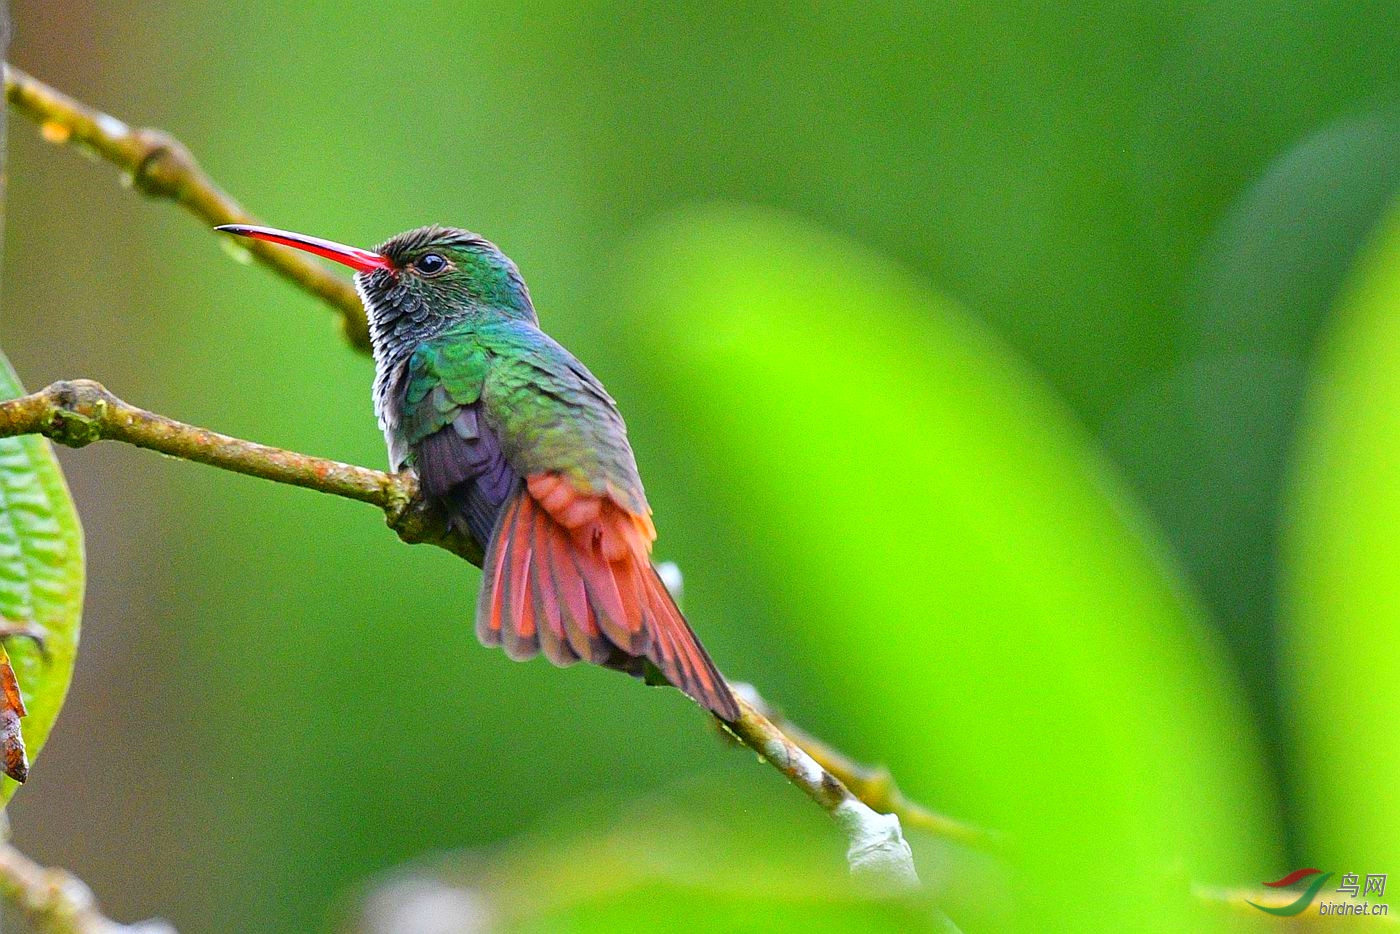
524,450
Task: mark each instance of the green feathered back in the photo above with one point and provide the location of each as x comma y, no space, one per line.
548,411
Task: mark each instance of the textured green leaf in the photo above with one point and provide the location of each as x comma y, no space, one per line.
41,574
1341,602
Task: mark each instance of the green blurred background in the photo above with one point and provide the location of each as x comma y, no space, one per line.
1016,386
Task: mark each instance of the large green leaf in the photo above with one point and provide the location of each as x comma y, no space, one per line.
1341,569
911,541
41,574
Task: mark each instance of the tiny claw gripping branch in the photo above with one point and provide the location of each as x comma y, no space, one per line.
418,521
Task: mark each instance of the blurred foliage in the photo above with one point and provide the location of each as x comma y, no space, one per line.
677,861
1343,663
895,449
993,293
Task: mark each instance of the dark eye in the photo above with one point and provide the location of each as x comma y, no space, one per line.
430,264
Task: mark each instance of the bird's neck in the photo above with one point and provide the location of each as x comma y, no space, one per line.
393,339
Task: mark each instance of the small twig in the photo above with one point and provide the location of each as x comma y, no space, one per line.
156,163
876,848
78,412
872,784
56,902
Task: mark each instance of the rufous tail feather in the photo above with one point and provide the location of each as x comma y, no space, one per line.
570,575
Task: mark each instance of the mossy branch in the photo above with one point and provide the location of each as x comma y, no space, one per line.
872,784
78,412
876,849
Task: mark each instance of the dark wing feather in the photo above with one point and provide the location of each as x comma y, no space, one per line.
432,418
469,474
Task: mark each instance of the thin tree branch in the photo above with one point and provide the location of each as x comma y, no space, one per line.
873,785
77,412
156,163
56,902
876,849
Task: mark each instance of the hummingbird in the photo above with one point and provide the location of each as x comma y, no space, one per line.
525,452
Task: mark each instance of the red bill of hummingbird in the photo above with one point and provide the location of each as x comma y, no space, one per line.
524,450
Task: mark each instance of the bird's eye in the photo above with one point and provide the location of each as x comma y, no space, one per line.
430,264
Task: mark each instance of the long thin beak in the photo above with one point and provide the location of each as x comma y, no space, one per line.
352,256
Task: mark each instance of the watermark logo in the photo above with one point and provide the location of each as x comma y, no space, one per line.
1316,880
1313,881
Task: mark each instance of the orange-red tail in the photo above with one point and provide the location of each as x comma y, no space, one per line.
569,574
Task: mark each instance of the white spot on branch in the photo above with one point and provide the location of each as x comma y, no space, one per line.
877,852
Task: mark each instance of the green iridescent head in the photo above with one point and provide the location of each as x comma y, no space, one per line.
442,272
422,278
